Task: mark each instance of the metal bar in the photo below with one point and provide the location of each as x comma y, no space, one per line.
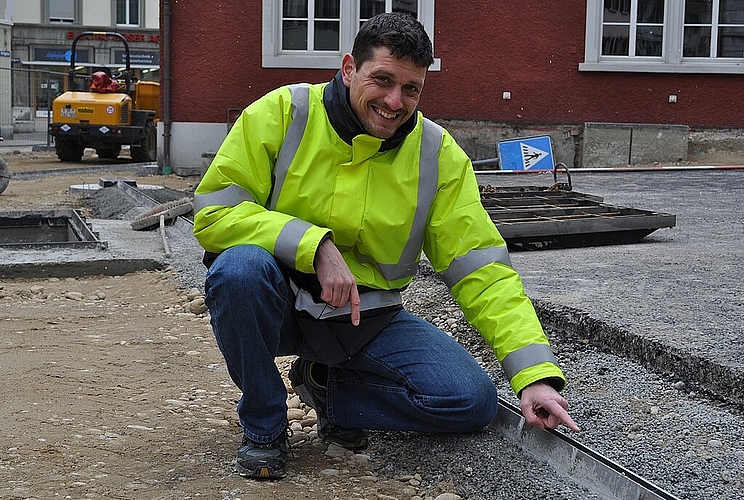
83,231
581,464
604,220
535,201
137,195
610,228
554,212
42,223
618,169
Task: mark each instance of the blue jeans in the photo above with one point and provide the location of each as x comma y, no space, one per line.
412,376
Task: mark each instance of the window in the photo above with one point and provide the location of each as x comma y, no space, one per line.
714,29
62,11
665,36
370,8
316,33
311,25
127,13
633,31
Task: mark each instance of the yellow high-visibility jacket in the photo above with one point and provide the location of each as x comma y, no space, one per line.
284,180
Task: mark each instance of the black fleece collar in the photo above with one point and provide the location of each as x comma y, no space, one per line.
345,122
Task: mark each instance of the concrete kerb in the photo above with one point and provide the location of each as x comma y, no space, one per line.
137,168
716,379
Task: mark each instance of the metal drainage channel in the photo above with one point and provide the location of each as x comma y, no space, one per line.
534,218
47,229
179,222
581,464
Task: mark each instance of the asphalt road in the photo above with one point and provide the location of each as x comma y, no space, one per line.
675,299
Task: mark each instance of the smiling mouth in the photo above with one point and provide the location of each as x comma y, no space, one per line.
385,114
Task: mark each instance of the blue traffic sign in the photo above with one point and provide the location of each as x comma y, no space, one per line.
529,153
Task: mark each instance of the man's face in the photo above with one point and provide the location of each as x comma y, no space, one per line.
384,91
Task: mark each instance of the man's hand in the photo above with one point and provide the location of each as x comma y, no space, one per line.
543,407
338,285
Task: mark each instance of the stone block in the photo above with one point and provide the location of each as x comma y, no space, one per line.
606,145
623,144
659,143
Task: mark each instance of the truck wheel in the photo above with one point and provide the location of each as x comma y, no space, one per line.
147,149
4,175
68,150
109,152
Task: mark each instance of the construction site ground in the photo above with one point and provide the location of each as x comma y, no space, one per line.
112,388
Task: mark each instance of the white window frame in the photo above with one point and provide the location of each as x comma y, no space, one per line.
671,60
274,57
126,4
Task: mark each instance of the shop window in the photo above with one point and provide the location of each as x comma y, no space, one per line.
315,33
681,36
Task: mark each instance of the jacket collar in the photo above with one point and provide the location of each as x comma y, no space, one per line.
345,122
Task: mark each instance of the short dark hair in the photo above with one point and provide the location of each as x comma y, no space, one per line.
401,33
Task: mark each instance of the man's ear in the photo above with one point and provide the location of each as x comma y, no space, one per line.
348,67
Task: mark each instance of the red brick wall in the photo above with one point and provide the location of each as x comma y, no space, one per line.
531,49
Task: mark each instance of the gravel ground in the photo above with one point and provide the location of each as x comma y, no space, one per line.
665,428
671,432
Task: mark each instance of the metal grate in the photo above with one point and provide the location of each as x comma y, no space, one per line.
535,218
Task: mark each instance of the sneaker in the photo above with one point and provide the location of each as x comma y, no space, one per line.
263,460
307,381
349,438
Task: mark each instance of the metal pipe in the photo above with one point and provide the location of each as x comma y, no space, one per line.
166,82
488,161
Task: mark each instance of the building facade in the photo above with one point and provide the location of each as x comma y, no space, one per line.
6,123
42,33
502,68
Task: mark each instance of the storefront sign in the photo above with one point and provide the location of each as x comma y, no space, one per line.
142,57
130,37
57,54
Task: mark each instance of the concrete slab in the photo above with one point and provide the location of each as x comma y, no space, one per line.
128,251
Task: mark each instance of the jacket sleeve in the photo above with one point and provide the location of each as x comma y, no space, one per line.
231,198
465,247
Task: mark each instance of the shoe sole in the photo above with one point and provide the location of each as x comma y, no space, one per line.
358,445
262,472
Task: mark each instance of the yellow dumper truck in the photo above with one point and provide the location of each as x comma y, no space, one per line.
112,112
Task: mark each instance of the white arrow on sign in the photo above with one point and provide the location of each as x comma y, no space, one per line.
531,156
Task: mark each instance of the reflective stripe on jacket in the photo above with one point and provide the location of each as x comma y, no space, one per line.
284,180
